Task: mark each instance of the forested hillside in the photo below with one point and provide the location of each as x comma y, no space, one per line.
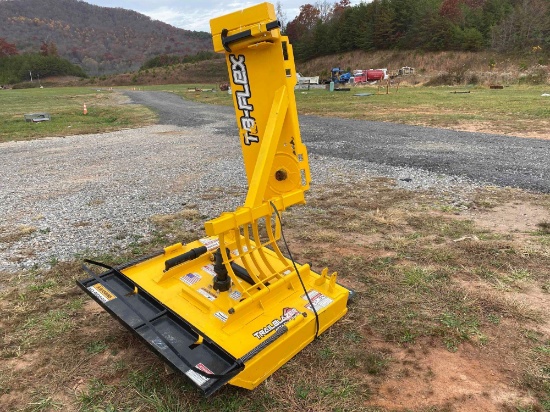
112,40
101,40
19,68
521,26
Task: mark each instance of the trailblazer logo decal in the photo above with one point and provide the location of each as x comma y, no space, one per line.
288,315
240,77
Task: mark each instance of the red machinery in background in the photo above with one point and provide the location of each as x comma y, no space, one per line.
370,75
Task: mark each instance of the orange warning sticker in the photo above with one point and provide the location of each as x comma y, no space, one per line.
101,292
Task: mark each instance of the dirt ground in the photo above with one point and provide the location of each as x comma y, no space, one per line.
474,377
481,128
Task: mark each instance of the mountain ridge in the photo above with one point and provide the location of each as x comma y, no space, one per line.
102,40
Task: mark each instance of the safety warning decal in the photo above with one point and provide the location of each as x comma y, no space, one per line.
191,278
209,269
221,316
237,253
198,378
210,243
101,292
204,292
288,315
319,300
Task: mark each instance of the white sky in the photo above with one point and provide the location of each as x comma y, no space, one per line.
196,14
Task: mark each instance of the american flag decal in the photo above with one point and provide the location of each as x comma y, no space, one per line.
191,278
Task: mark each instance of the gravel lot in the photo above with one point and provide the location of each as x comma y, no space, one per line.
495,159
81,196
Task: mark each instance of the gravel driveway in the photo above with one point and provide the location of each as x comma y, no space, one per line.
495,159
67,197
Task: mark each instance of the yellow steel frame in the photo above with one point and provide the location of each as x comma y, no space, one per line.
262,74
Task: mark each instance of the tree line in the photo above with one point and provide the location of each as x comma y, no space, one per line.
165,60
15,67
431,25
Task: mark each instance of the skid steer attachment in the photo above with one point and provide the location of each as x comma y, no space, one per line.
230,307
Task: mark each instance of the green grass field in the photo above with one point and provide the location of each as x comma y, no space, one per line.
65,105
514,110
429,307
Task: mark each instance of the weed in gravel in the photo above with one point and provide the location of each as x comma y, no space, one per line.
45,404
14,234
168,221
544,228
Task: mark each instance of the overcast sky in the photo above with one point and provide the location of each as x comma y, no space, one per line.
196,14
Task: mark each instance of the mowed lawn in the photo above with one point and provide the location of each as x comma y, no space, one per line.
106,112
515,110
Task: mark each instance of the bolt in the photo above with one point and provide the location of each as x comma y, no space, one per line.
281,175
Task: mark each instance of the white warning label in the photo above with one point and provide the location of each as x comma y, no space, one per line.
197,377
204,292
319,300
237,253
211,243
221,316
235,295
209,269
101,292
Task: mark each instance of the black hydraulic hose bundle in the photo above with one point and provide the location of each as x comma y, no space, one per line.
190,255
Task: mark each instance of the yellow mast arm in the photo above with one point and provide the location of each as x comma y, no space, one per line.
268,150
262,76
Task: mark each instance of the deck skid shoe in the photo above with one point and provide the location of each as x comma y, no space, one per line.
231,307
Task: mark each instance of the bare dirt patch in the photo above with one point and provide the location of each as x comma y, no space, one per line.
511,217
542,131
463,381
480,357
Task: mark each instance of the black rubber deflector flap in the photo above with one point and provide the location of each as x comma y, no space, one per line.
167,334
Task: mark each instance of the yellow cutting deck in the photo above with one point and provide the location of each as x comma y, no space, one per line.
187,290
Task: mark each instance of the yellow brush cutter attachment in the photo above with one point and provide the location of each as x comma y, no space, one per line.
231,308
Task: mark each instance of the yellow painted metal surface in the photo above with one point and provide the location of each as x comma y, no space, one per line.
187,290
262,76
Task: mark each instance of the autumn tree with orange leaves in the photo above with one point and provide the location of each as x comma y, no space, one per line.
7,49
